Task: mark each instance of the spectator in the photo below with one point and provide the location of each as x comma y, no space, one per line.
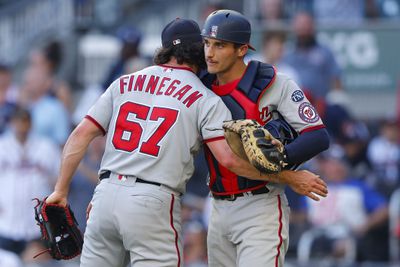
209,8
273,50
194,231
384,155
272,12
339,11
383,9
49,116
297,220
292,7
317,68
85,180
197,184
6,106
29,167
354,139
9,259
195,248
352,208
49,59
335,117
129,59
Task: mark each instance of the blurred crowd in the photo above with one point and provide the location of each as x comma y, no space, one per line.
362,167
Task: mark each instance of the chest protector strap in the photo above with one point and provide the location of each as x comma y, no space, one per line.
257,77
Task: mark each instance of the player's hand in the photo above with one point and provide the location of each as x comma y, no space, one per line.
309,184
57,198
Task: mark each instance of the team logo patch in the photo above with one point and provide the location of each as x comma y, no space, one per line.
214,30
297,96
308,113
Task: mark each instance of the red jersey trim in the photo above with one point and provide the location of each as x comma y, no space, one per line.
266,88
96,123
211,168
278,248
176,67
239,191
171,216
312,128
213,139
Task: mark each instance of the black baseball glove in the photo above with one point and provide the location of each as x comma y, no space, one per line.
59,230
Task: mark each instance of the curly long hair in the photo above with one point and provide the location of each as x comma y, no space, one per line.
191,54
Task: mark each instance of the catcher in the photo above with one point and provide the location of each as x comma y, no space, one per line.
152,135
254,230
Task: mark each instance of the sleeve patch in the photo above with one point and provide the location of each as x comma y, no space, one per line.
297,96
308,113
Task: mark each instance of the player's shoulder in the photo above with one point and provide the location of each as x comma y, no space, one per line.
283,77
147,70
268,70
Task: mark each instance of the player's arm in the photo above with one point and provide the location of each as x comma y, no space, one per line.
303,117
73,152
307,145
302,182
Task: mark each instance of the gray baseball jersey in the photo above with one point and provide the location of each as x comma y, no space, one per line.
156,120
259,224
288,99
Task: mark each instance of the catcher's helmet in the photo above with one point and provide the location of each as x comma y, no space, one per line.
285,133
228,25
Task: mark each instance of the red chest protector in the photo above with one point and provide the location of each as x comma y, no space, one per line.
241,97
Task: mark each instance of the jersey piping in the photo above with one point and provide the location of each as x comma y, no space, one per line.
96,123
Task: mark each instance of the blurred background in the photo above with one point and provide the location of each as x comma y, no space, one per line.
58,56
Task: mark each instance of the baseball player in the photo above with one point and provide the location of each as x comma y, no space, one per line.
155,120
250,219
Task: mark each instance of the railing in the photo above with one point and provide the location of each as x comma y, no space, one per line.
307,240
21,23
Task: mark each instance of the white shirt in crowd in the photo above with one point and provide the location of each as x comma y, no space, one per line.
27,171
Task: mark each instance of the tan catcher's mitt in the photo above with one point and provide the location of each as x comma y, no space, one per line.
250,141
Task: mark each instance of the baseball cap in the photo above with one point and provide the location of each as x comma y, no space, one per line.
334,153
129,34
180,31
